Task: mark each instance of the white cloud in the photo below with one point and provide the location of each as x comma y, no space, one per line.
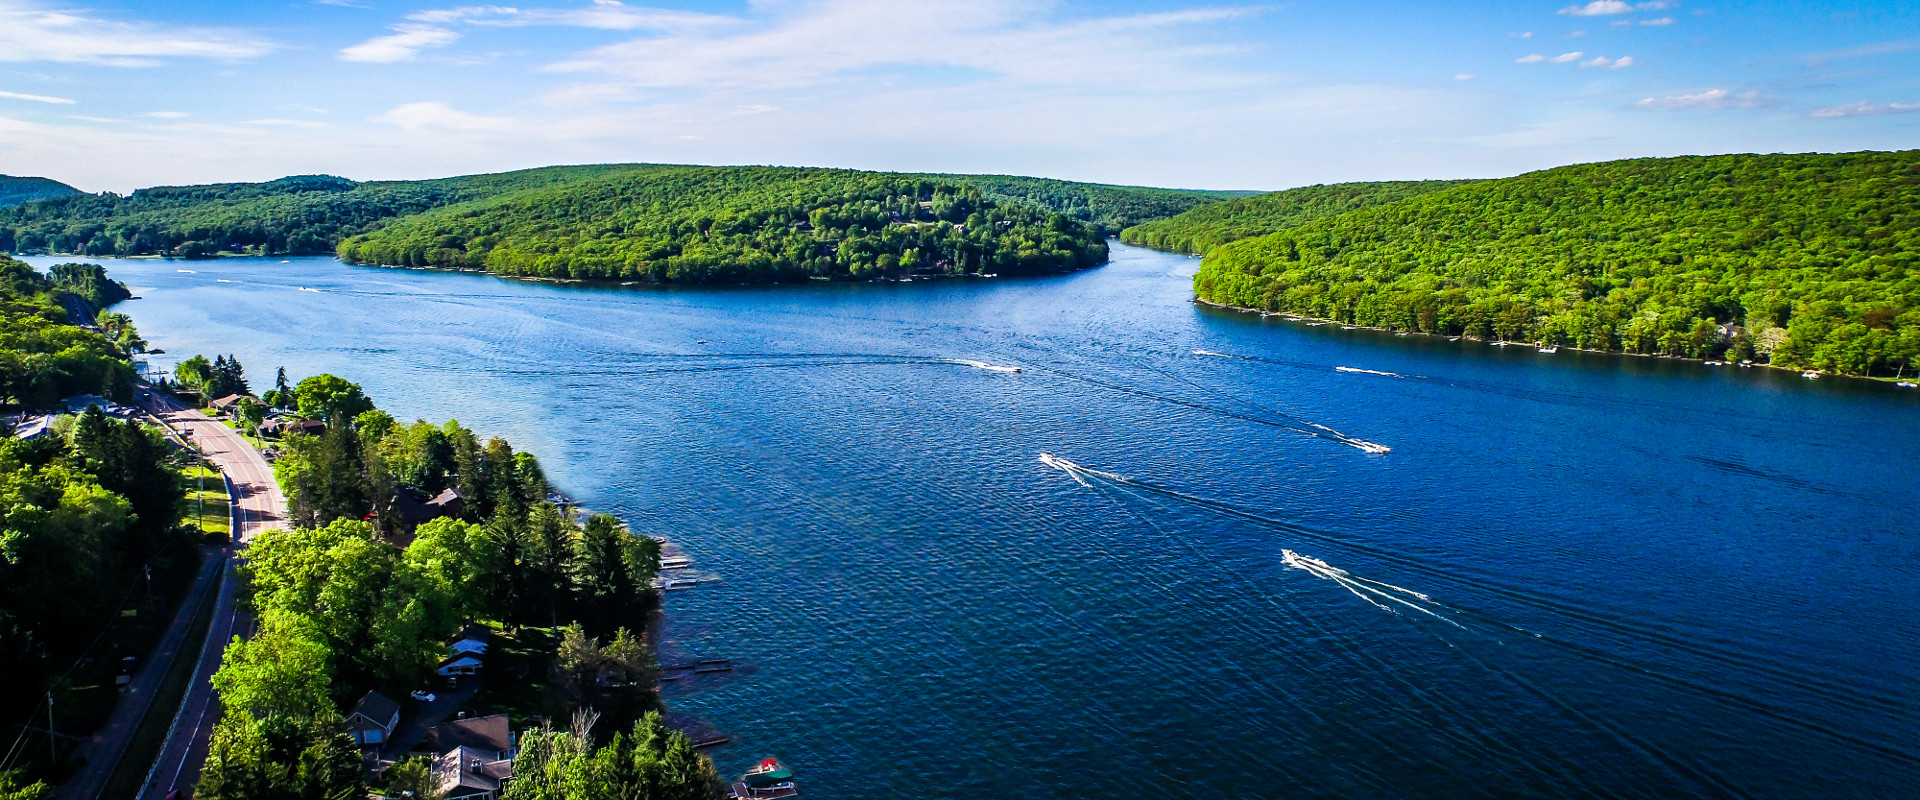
31,32
306,124
434,28
1864,109
1521,35
1710,99
403,45
1530,59
432,115
166,114
1463,76
1603,62
1659,21
1566,57
1599,8
38,98
1606,8
836,41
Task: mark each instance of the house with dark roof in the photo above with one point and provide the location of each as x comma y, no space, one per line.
373,719
285,427
414,511
476,757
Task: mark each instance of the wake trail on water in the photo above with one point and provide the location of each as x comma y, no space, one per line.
1487,623
1278,421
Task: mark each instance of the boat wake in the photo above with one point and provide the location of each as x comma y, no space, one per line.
1213,353
1368,371
1461,619
982,365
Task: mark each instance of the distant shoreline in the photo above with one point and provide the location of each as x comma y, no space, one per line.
1293,317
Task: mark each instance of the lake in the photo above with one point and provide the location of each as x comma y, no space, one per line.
1573,575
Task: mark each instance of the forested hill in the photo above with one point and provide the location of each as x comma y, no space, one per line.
1110,208
1811,261
301,214
735,224
314,213
1208,226
17,190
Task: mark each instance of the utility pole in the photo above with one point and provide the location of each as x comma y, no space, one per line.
53,745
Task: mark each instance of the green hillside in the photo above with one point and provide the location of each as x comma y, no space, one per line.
1208,226
1109,208
301,214
17,190
731,224
314,213
1811,261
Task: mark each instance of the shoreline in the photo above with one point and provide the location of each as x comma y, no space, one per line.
1316,321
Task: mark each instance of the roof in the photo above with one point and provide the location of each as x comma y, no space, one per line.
455,775
490,732
377,708
234,398
34,428
447,495
462,661
467,646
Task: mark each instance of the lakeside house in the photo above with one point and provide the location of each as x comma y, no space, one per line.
476,757
373,719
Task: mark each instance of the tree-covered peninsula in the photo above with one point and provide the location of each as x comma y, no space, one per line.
313,213
1202,228
737,224
1809,261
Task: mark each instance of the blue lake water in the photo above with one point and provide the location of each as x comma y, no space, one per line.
1574,575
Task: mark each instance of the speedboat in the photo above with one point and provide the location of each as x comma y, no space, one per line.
1810,375
769,780
1906,384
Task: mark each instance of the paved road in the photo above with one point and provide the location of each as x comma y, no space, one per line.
260,507
103,749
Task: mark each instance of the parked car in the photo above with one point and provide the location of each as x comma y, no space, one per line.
423,696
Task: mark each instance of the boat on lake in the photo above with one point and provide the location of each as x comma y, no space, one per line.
1550,349
1810,375
769,780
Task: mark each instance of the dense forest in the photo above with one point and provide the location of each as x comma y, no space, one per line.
1205,227
737,224
44,358
302,214
1109,208
1807,261
314,213
353,598
17,190
89,512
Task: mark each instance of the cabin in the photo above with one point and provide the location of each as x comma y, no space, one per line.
373,719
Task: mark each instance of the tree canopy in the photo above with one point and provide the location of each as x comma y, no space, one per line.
1206,227
1809,261
737,224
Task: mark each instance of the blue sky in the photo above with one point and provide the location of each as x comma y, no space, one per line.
120,94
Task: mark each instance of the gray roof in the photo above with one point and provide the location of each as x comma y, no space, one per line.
376,708
491,732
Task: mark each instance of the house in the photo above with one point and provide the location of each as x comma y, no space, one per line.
373,719
472,641
34,428
460,665
464,773
227,404
287,427
414,511
476,757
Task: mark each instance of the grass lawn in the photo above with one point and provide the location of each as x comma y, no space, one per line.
519,668
207,509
